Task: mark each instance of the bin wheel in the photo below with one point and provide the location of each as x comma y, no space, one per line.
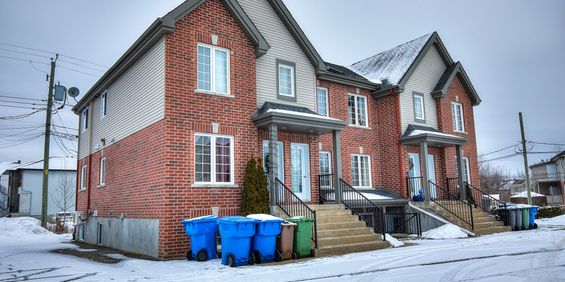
189,255
294,255
279,256
312,252
202,255
257,257
219,254
251,259
230,261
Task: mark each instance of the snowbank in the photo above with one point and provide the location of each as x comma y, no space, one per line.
554,221
23,229
395,243
447,231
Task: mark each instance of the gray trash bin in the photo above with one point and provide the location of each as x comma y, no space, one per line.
518,214
512,219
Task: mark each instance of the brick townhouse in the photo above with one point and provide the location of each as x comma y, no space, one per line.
166,133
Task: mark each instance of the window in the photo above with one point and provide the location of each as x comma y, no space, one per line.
361,171
214,159
83,177
466,172
322,98
84,119
286,80
213,69
457,115
357,110
280,153
325,163
102,171
103,105
419,107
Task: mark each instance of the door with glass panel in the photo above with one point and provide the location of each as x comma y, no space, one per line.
432,175
326,189
300,169
280,158
414,179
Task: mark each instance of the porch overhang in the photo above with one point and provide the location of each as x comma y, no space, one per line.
296,121
416,135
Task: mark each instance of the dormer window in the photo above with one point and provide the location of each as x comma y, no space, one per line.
419,107
286,81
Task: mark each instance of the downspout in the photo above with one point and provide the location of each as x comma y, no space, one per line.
398,144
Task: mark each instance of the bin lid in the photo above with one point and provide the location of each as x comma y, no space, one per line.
201,219
287,223
265,217
300,219
236,219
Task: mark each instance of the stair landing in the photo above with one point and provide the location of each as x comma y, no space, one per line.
484,223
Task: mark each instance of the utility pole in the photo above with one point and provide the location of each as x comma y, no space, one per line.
46,145
525,154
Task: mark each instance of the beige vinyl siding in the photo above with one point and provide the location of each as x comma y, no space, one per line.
134,101
83,136
283,47
423,80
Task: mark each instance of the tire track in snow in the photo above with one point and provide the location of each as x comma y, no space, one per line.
430,264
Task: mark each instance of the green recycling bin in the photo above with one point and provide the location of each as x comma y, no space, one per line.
302,236
525,218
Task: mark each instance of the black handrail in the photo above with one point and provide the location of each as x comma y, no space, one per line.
487,203
402,222
292,205
364,208
326,188
413,187
453,204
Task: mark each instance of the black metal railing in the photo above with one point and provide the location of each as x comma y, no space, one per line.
360,205
292,205
415,188
487,203
327,190
453,204
403,223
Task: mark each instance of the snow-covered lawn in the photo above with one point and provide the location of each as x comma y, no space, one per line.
535,255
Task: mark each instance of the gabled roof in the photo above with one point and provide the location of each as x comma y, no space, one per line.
447,78
344,75
291,24
166,25
550,161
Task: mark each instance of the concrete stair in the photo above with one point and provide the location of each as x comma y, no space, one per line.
340,232
483,222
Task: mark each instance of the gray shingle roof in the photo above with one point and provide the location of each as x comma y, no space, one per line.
341,70
390,66
275,106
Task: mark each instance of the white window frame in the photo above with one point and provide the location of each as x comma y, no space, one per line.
454,112
280,173
419,97
327,114
292,77
102,172
103,105
83,179
84,120
213,159
213,69
467,169
359,170
355,108
329,159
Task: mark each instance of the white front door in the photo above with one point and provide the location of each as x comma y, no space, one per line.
300,159
414,162
432,175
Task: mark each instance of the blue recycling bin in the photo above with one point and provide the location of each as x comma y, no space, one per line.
202,232
533,212
265,239
236,233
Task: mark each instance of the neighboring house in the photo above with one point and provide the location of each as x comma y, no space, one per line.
24,188
548,178
166,133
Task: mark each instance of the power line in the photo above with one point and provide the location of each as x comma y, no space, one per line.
21,116
53,53
21,103
21,143
25,53
21,98
75,70
19,107
23,60
500,158
543,143
81,65
499,150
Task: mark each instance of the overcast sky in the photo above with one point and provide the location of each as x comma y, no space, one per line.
513,51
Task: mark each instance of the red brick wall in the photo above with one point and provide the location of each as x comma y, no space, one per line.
353,137
134,177
456,93
188,112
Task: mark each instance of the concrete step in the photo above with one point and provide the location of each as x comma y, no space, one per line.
321,213
340,225
351,248
347,239
491,230
337,218
488,224
326,207
345,232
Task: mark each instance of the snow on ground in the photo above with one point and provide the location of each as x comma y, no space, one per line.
533,255
393,241
446,231
524,194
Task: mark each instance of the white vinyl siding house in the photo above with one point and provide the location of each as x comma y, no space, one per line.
135,101
283,48
423,81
